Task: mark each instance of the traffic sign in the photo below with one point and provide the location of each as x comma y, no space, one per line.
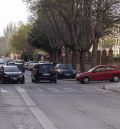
63,54
63,49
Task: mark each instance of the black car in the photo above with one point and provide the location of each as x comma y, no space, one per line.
44,71
65,71
11,74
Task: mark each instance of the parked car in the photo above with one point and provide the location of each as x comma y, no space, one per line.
20,61
31,64
26,65
44,71
99,73
11,74
2,62
65,71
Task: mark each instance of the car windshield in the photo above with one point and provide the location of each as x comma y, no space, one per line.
46,67
65,66
92,69
11,69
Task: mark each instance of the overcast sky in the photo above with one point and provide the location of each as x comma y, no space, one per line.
12,11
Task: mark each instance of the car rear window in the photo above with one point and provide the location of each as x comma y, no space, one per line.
110,68
45,67
65,66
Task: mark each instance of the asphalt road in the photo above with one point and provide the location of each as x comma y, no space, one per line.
65,105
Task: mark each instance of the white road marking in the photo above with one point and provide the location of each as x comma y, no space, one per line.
3,90
70,90
39,114
54,90
62,90
108,91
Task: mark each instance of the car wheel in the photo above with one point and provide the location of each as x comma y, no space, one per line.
59,76
23,81
55,81
34,81
115,78
86,80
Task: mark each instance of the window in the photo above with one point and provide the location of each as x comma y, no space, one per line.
100,69
110,68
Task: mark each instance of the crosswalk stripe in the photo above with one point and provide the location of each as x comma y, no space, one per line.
3,90
70,89
61,90
54,90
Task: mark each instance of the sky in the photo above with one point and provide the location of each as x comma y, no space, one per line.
12,11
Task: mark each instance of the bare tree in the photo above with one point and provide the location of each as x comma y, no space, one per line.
75,17
106,14
80,23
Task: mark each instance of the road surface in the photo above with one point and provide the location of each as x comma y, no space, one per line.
65,105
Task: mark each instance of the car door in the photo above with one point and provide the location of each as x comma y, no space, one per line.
110,71
98,74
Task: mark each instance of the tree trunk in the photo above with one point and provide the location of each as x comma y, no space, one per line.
55,56
82,61
94,52
72,58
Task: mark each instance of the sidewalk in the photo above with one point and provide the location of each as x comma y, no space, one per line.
115,87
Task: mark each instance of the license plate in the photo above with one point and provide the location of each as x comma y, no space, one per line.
14,78
67,74
46,74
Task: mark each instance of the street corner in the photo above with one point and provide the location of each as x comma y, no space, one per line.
115,87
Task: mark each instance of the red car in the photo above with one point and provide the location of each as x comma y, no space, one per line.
99,73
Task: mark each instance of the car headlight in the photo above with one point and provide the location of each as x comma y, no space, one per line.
78,75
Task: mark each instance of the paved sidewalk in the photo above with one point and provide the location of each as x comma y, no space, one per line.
113,87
